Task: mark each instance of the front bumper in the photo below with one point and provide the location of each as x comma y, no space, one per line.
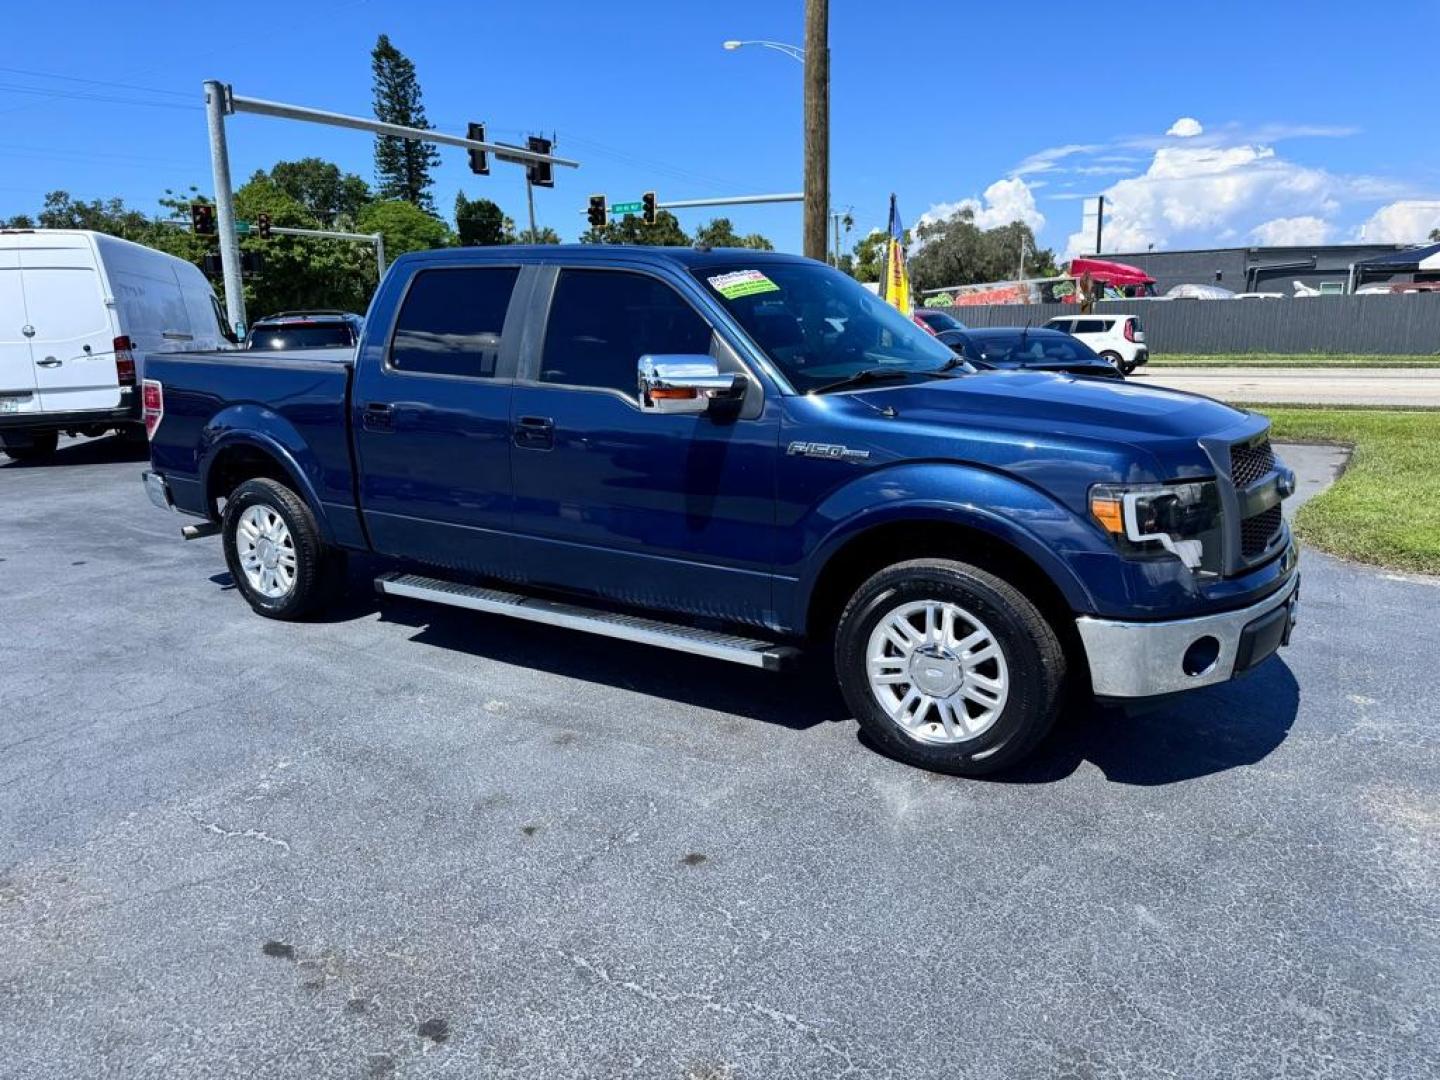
1148,659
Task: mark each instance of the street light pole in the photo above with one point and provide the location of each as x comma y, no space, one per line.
216,107
817,127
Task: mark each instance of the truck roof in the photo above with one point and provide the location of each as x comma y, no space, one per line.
685,257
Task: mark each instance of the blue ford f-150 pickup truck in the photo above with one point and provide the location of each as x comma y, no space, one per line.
738,454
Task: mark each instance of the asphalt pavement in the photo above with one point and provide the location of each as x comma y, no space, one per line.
414,842
1304,386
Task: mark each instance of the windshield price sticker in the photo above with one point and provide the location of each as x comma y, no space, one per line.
740,283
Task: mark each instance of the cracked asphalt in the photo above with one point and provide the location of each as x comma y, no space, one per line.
411,842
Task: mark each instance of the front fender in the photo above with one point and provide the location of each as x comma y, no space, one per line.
257,427
1012,512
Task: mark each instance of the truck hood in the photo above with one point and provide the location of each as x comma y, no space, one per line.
1035,402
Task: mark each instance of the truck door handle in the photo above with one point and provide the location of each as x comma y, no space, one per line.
49,361
535,433
378,416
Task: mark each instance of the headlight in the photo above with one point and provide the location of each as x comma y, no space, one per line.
1152,519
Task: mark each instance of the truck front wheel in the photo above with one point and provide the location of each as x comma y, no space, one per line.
948,667
274,550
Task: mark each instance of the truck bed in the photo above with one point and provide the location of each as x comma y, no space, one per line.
296,400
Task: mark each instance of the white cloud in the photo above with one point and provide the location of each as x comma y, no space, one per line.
1049,159
1409,221
1003,202
1193,194
1291,231
1187,127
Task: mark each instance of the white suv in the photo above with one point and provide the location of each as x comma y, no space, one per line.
1119,339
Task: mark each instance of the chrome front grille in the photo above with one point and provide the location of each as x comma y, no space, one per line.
1250,463
1257,532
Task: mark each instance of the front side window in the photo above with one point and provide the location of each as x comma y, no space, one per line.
821,327
451,321
603,321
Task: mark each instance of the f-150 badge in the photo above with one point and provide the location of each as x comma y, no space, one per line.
828,451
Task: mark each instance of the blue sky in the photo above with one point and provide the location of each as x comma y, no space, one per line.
1295,122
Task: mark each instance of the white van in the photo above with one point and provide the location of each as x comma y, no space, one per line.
78,311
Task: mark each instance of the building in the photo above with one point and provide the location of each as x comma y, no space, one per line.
1259,269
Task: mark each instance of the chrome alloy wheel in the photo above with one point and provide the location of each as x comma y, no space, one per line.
937,671
266,550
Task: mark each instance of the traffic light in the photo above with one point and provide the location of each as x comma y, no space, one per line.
542,173
479,159
202,218
262,226
648,207
597,213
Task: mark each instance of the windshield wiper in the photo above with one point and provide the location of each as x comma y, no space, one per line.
869,375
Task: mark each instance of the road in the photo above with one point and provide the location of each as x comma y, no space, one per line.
413,842
1308,386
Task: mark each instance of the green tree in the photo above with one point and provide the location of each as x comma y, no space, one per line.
405,227
956,251
666,232
402,166
326,193
300,272
720,233
541,234
870,255
480,222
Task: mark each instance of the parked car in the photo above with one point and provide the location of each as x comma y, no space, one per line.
935,320
79,311
1012,348
738,455
1117,339
305,330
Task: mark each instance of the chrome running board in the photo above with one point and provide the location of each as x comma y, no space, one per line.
714,644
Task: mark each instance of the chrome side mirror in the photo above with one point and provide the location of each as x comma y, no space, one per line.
680,383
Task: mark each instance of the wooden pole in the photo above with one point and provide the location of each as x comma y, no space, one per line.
817,126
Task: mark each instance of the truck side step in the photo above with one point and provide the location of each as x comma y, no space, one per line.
714,644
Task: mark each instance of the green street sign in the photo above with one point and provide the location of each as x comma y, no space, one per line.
242,228
626,208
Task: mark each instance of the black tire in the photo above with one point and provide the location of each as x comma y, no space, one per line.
1031,651
1115,361
314,571
37,447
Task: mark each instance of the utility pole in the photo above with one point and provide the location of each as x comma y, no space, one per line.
216,106
530,198
1099,221
817,126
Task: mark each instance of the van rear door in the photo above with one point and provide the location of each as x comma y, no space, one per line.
17,372
73,347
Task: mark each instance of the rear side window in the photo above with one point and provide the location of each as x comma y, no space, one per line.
451,321
1089,326
603,321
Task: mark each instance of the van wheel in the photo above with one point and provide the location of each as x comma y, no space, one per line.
948,667
274,551
36,447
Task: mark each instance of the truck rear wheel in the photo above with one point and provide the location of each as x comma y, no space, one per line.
948,667
36,446
274,551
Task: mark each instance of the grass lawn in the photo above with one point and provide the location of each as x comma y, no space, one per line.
1385,509
1284,360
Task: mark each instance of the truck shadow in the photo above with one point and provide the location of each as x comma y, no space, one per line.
1185,737
1188,736
795,700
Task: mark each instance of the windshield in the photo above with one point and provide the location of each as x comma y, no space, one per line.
819,326
301,336
1022,349
939,320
